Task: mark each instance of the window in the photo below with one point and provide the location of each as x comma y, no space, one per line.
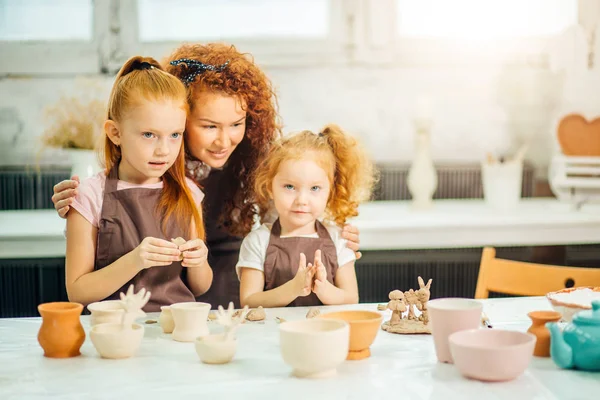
29,20
479,31
52,37
273,31
179,20
484,19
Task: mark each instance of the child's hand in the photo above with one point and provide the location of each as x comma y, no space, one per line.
154,252
195,253
304,277
320,273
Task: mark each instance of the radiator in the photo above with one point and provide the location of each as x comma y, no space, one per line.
454,182
454,271
26,283
27,188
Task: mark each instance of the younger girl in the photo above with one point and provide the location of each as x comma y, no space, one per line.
125,217
307,177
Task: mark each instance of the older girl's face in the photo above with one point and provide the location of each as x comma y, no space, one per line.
215,127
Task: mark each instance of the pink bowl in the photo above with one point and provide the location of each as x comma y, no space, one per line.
491,354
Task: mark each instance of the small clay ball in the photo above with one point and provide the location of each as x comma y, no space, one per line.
256,314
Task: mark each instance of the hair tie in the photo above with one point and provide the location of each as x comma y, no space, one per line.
140,65
195,68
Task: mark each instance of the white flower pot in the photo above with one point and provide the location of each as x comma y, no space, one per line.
84,163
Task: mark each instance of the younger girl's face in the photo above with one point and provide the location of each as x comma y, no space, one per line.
215,127
150,138
300,191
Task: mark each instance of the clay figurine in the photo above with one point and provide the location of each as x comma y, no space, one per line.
256,314
313,312
121,340
397,306
401,302
220,348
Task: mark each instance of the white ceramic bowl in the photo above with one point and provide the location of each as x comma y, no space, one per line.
314,347
106,312
570,301
491,354
214,349
111,341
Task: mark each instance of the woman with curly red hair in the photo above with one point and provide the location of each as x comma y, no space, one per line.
232,122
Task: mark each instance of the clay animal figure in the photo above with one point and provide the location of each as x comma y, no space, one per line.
423,295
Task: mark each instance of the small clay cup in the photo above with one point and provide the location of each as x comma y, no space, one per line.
538,328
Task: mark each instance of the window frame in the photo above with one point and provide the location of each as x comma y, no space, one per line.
266,52
382,44
61,57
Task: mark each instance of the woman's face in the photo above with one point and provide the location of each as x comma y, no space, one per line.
215,127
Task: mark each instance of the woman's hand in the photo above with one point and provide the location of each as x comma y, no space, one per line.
64,193
154,252
195,253
351,234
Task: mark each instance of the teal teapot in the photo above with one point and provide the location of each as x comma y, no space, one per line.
578,344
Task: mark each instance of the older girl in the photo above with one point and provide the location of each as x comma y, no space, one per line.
120,229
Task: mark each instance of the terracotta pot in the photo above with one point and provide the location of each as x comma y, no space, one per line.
364,326
538,328
61,334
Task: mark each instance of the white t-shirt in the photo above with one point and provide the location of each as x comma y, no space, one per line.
254,247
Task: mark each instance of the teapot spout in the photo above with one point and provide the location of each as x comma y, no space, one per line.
560,351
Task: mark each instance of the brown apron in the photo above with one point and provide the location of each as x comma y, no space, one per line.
127,217
223,248
283,257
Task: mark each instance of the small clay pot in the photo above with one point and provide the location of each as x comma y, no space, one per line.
61,334
166,319
538,328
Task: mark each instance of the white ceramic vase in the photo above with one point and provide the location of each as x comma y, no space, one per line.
190,320
422,176
84,163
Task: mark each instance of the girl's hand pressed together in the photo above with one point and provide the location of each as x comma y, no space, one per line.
195,253
154,252
320,273
304,277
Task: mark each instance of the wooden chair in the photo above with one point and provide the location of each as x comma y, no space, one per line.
528,279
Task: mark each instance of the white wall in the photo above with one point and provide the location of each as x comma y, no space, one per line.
472,106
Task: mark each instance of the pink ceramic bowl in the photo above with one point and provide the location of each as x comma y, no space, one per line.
491,354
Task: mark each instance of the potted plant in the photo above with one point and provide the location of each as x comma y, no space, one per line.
74,123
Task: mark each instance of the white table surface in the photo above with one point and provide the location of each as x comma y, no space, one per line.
385,225
401,367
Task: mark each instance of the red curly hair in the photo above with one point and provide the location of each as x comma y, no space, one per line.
348,166
242,79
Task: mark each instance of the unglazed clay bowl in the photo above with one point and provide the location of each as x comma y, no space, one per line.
314,347
106,312
491,354
112,341
364,326
570,301
215,349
